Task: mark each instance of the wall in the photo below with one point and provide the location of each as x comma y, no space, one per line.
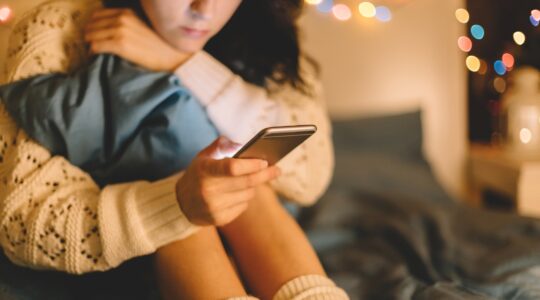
372,68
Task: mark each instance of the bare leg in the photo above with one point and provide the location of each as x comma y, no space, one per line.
269,246
197,268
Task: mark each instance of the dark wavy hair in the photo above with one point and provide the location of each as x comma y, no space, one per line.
260,42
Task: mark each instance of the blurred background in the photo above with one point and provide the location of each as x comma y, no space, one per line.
434,103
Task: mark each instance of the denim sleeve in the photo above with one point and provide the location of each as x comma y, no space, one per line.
113,119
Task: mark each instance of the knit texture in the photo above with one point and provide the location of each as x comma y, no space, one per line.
310,287
52,214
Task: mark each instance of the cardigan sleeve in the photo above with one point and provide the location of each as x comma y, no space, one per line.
52,214
239,110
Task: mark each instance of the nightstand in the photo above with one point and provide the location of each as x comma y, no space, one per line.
493,170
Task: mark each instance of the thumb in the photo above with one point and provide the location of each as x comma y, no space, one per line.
220,148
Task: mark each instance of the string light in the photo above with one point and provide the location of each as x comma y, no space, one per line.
477,31
535,13
465,43
383,14
314,2
519,38
508,60
5,14
473,63
325,6
462,15
499,67
367,9
342,12
534,21
499,84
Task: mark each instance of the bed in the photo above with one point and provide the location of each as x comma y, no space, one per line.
385,229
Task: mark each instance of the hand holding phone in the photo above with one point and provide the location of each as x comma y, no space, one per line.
274,143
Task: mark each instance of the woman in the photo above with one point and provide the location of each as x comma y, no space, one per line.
132,219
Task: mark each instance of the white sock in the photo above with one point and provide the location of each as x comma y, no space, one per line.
310,287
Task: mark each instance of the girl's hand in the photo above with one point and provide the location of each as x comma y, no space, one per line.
216,191
121,32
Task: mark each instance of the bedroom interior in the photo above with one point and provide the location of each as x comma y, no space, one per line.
436,121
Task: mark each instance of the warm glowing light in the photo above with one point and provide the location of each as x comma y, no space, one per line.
508,60
499,67
5,14
383,14
473,63
342,12
462,15
519,38
499,84
313,2
525,135
535,13
477,31
483,67
465,44
367,9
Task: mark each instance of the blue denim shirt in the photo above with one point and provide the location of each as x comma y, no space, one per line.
113,119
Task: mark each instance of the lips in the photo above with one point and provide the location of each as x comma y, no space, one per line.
194,33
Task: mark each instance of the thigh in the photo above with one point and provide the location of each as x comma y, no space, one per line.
269,246
196,268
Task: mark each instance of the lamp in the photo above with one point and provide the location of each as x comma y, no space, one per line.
521,114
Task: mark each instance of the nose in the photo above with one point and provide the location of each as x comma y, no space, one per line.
202,9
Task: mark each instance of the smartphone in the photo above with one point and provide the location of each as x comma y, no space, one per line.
274,143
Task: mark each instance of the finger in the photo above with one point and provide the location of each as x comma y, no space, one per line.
100,24
229,199
231,214
234,166
106,46
248,181
99,35
110,12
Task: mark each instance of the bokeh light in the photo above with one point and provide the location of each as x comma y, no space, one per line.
508,60
499,84
519,38
499,67
473,63
535,13
367,9
5,14
483,67
477,31
534,21
465,43
383,14
325,6
525,135
462,15
342,12
313,2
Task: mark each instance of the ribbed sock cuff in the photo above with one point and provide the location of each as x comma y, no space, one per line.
312,287
243,298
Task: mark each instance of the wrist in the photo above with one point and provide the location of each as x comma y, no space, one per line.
177,59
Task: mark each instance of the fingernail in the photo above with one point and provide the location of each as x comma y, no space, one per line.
263,164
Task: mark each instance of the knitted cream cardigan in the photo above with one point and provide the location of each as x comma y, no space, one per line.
53,215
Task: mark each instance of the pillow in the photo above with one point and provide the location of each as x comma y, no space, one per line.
395,134
382,156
